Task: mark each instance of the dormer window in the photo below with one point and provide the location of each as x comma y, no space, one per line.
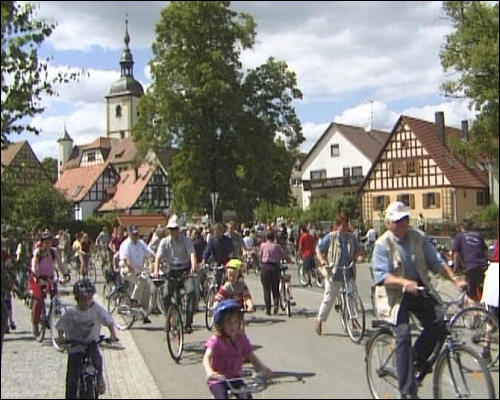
91,156
118,111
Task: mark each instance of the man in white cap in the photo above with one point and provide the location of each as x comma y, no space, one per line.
402,259
133,252
179,254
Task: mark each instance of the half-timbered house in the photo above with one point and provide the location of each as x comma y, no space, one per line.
22,165
416,166
145,187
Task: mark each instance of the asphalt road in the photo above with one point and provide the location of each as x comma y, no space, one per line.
281,342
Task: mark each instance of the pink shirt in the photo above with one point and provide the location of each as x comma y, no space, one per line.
46,264
227,357
271,252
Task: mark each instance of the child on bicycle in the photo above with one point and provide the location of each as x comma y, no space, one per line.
82,324
227,349
235,288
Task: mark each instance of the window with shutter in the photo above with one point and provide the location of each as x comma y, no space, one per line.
424,200
437,200
404,168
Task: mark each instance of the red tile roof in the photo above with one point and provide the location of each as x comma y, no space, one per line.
76,182
459,174
129,188
8,154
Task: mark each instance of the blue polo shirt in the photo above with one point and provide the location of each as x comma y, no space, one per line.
382,262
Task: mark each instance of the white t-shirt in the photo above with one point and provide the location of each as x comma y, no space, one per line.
490,286
135,252
84,326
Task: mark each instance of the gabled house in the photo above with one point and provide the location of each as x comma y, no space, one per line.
140,188
337,163
416,167
20,162
87,187
108,173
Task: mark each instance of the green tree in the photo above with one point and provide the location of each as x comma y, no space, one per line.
223,121
49,165
470,54
25,78
41,206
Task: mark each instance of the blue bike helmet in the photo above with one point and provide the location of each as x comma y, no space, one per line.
84,287
223,307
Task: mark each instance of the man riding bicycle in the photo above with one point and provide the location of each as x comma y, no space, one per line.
42,268
133,251
178,253
401,262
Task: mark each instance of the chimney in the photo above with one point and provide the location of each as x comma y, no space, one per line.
465,130
439,117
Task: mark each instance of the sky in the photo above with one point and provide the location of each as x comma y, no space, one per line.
355,62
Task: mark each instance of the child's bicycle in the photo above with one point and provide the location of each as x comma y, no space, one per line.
252,382
459,372
87,380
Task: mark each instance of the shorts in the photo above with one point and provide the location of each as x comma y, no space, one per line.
475,278
309,263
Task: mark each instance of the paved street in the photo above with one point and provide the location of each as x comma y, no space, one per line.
145,369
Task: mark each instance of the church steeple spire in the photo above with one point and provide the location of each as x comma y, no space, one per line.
127,61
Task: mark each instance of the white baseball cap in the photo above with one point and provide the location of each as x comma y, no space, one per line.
172,222
396,211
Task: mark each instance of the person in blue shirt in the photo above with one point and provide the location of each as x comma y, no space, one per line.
338,247
402,259
219,247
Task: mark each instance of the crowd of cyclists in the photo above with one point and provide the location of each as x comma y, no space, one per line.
141,259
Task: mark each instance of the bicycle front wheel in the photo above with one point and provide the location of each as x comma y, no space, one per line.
461,373
57,310
302,277
209,309
282,299
478,329
381,371
175,332
354,316
119,307
320,279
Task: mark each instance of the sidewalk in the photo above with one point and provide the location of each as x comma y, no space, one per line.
33,370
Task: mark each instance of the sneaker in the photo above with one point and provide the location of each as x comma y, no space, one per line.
275,311
188,329
318,327
13,325
101,386
146,320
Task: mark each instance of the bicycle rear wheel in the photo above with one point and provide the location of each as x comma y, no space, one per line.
478,329
175,332
354,316
209,309
119,306
42,324
320,279
381,371
461,373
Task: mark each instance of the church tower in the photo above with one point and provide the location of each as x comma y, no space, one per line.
121,102
65,149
